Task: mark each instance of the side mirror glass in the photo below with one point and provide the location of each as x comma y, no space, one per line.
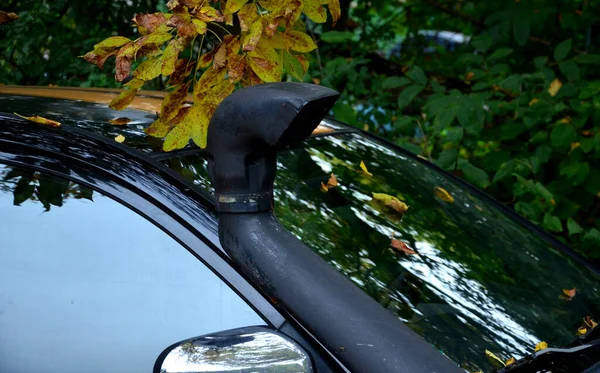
245,350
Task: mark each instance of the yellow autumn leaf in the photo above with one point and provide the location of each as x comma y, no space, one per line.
402,247
266,63
112,42
124,99
298,41
331,183
494,360
169,58
119,121
391,201
247,16
199,118
443,194
179,136
120,139
6,17
541,346
172,102
581,331
233,6
589,322
510,361
554,87
314,10
335,10
364,169
570,292
252,37
149,69
40,120
533,101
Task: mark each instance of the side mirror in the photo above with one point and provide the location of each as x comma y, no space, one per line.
245,350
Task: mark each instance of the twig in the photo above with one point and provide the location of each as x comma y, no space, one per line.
425,140
312,34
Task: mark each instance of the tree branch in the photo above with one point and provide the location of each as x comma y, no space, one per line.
455,13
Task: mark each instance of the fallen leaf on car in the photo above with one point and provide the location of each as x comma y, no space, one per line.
332,182
554,87
391,201
364,169
120,138
570,293
119,121
581,331
541,346
494,360
589,322
510,361
402,247
6,17
41,120
443,194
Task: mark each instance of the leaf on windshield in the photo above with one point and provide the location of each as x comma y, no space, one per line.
119,121
331,183
391,201
554,87
364,169
443,194
541,346
41,120
6,17
402,247
589,322
568,294
510,361
494,360
120,139
581,331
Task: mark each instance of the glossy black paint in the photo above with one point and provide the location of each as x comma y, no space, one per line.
152,189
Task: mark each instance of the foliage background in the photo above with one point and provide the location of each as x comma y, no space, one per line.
514,109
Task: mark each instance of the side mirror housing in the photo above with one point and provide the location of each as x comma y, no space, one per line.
252,349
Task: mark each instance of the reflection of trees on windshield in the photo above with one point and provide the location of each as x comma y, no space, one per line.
480,281
243,353
28,185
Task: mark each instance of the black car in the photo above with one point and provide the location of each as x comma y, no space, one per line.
117,257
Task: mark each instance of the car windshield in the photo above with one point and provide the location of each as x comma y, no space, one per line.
457,270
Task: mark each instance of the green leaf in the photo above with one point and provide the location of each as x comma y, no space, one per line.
447,159
590,90
592,237
575,170
562,50
408,94
437,87
345,113
505,170
521,29
500,53
552,223
482,42
149,69
587,59
570,70
573,227
475,175
543,192
563,135
336,37
395,82
417,75
480,85
540,62
293,66
512,129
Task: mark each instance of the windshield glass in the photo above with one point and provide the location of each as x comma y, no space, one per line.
463,275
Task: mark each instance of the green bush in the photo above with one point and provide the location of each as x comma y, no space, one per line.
515,111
